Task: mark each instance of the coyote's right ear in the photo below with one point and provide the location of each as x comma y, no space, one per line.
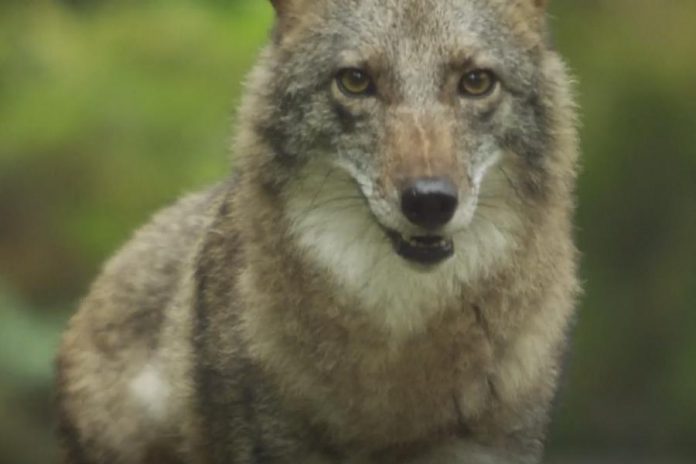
535,9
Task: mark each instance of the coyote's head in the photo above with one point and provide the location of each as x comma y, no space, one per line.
411,133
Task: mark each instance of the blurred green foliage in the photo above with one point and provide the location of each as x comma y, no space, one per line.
108,110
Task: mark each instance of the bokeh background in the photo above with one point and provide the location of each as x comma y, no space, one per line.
110,109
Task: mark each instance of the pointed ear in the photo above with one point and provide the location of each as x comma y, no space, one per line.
287,12
280,6
539,6
284,8
533,8
537,10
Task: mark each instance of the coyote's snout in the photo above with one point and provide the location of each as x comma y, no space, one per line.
430,203
423,177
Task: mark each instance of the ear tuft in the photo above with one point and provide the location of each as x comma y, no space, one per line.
284,7
279,5
289,13
281,8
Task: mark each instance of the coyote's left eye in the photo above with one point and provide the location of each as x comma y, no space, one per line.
478,83
354,82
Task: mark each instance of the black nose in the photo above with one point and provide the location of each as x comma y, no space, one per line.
429,202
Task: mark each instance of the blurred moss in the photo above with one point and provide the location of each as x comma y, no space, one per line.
632,374
28,342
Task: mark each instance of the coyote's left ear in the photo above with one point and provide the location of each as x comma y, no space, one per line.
539,8
287,12
280,5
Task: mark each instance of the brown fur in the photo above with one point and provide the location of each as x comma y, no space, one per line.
221,334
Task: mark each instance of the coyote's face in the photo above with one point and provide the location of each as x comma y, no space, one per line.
413,126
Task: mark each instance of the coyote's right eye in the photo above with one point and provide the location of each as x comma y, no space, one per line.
478,83
354,82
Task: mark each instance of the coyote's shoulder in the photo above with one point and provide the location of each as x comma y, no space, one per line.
388,278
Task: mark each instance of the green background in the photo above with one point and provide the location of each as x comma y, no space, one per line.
111,109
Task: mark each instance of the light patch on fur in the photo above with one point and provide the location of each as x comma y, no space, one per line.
151,392
529,357
332,221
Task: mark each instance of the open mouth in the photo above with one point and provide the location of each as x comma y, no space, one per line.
425,250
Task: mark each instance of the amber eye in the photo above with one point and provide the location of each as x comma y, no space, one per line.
354,82
477,83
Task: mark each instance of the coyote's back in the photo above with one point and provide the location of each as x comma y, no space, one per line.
388,277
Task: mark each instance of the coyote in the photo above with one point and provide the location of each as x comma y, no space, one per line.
389,275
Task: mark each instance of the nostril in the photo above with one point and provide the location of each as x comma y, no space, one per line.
430,202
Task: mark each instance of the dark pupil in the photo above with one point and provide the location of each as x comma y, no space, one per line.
356,77
477,80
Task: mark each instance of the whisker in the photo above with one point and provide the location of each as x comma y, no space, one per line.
369,275
512,183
